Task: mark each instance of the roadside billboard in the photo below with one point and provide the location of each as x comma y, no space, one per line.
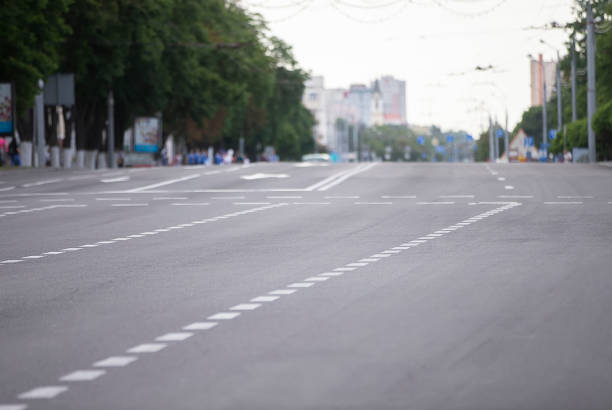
147,132
7,109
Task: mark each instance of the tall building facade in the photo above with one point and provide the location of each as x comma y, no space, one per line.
393,92
541,71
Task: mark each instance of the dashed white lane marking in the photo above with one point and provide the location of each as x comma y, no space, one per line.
357,264
369,260
46,392
436,203
251,203
7,188
11,261
118,179
224,316
311,203
44,208
398,196
457,196
283,292
13,407
170,198
380,255
331,274
515,196
12,206
284,197
373,203
39,183
564,203
260,299
342,197
246,306
174,337
509,187
344,269
190,203
132,204
501,178
316,279
7,201
33,257
229,197
113,199
390,252
57,200
147,348
575,197
115,361
200,326
164,183
71,249
82,375
300,285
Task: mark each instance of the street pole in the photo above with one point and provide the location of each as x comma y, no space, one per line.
40,125
355,142
506,138
559,106
111,130
544,115
491,146
573,79
591,102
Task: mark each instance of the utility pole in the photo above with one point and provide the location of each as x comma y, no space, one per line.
591,102
559,106
491,146
573,79
111,130
40,125
355,142
506,139
544,115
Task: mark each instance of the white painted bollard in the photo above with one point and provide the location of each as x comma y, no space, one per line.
25,152
80,159
68,157
102,160
55,157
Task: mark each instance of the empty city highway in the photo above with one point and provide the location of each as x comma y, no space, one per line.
307,286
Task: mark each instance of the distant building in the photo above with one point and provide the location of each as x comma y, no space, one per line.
383,102
542,71
394,100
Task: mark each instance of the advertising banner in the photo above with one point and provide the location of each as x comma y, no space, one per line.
7,109
146,134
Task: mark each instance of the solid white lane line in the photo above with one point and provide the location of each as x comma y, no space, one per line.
564,203
264,299
246,306
224,316
12,206
418,241
113,199
45,182
174,337
346,176
115,361
147,348
575,197
82,375
326,180
105,242
200,326
300,285
46,392
164,183
282,292
311,203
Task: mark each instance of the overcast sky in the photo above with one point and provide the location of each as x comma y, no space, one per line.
432,44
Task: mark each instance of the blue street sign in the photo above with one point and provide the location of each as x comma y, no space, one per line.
441,149
528,142
423,155
499,133
450,139
421,140
552,134
468,137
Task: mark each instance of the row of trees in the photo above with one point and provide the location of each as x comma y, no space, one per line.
208,66
576,132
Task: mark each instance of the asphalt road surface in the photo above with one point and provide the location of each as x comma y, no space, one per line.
284,286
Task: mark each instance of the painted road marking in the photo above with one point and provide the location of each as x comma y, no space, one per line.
115,361
357,264
113,199
57,200
246,306
147,348
373,203
33,257
344,269
133,204
224,316
170,198
118,179
82,375
300,285
501,178
264,299
316,279
229,197
284,197
164,183
200,326
564,203
574,197
282,292
46,392
332,274
398,196
380,255
342,197
311,203
12,261
509,187
457,196
436,203
174,337
515,196
39,183
13,407
369,260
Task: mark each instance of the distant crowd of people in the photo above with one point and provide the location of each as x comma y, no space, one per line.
200,157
